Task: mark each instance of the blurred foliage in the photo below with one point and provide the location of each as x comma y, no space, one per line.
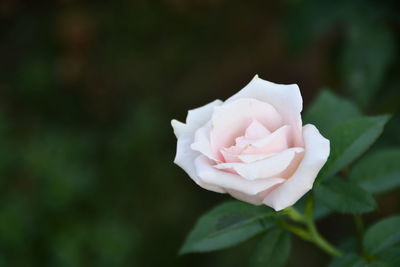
87,89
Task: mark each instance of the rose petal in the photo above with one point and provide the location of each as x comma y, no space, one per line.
254,157
231,154
231,120
202,143
247,150
316,153
286,99
199,116
253,199
290,170
273,143
229,181
281,136
265,168
179,128
256,199
256,131
185,156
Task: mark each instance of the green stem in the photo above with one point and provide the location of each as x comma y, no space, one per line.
359,225
320,241
358,222
312,234
300,232
295,215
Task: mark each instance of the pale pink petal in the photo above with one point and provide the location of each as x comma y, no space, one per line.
185,156
210,187
231,154
249,158
265,168
229,181
273,143
252,199
256,199
256,130
286,99
281,135
179,128
290,170
202,143
199,116
249,150
316,153
231,120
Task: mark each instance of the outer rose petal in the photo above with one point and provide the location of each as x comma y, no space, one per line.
252,199
202,143
210,175
316,153
286,99
185,156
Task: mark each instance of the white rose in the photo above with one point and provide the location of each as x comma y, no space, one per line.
253,146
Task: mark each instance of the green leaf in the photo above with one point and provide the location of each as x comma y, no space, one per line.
352,257
328,110
379,171
227,225
382,235
348,260
341,122
391,256
344,197
273,249
350,139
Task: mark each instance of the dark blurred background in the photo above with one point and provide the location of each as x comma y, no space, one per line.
88,89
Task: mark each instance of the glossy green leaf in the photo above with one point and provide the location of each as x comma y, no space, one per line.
350,139
273,249
344,197
379,171
382,235
227,225
328,110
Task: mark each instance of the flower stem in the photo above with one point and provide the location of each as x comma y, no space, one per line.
359,225
320,241
300,232
312,235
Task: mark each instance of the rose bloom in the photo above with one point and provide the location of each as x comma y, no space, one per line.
253,146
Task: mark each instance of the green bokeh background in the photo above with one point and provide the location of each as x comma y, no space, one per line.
88,89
